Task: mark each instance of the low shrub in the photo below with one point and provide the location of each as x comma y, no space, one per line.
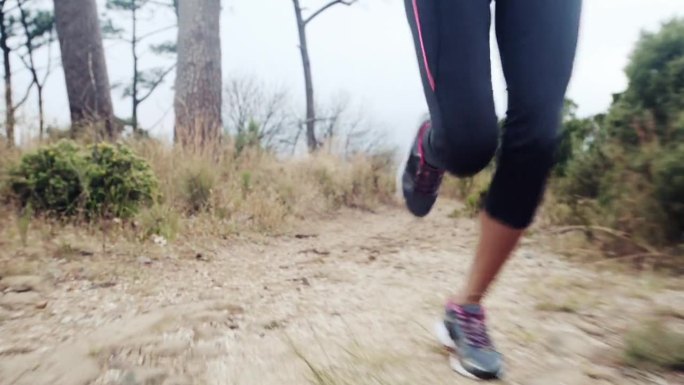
51,179
655,345
118,181
66,180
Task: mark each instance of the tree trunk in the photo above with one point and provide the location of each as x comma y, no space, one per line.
136,73
41,112
85,69
198,77
32,67
311,141
9,104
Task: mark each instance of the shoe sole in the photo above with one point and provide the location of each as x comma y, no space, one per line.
454,362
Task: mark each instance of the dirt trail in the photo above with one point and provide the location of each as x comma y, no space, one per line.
348,300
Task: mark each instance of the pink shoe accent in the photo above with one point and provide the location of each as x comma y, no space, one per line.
421,134
431,80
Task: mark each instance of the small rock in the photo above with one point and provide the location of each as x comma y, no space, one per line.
159,240
144,376
144,260
41,304
558,376
203,332
273,325
304,236
177,380
4,314
170,348
22,283
563,342
591,329
102,285
602,373
207,349
14,300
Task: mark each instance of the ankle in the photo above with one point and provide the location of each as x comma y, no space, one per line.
466,299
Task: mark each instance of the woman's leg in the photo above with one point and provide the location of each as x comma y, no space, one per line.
496,244
537,40
452,43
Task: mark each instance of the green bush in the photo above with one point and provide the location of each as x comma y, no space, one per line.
118,181
669,181
584,175
66,180
625,169
51,180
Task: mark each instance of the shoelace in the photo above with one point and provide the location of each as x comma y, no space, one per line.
473,327
475,331
428,179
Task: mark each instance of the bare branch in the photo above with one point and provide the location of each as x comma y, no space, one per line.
24,98
11,9
607,230
325,7
156,31
49,58
156,84
170,4
247,101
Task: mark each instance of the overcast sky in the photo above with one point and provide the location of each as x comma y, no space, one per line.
366,52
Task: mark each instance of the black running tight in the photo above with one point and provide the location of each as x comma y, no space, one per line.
537,41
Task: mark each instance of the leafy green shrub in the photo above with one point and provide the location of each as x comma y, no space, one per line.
51,179
669,181
625,169
65,180
118,181
584,175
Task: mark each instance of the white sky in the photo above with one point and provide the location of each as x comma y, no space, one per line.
366,53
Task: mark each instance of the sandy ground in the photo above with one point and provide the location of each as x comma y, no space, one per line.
347,300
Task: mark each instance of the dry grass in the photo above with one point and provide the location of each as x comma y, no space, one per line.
566,306
256,191
212,195
566,295
357,365
655,345
670,312
470,191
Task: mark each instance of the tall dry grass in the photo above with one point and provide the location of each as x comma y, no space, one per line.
219,192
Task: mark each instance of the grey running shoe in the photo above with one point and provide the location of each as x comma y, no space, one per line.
464,331
420,181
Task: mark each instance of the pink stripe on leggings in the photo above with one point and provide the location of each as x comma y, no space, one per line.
431,80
